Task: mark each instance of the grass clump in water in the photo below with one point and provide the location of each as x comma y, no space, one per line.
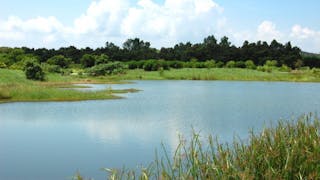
291,150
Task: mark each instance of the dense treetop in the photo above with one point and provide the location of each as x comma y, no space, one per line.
221,51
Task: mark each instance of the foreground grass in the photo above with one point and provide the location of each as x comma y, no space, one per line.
233,74
291,150
14,87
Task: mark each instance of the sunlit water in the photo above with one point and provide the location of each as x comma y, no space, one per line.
53,140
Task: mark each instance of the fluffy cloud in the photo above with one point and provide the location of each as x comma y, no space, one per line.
107,20
267,31
304,36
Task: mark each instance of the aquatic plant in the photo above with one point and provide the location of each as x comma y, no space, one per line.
290,150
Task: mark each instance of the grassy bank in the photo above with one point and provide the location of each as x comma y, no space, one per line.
233,74
290,150
14,87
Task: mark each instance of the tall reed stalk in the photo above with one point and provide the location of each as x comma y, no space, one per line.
290,150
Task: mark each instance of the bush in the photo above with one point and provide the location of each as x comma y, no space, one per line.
2,65
87,60
210,64
271,63
51,68
240,64
155,65
231,64
59,60
264,68
219,64
250,64
107,69
102,59
175,64
34,71
284,68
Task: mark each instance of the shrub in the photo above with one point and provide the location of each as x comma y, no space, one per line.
87,60
264,68
219,64
231,64
107,69
2,65
34,71
250,64
284,68
271,63
59,60
210,64
102,59
240,64
175,64
155,65
51,68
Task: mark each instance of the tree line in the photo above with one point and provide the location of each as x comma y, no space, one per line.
134,50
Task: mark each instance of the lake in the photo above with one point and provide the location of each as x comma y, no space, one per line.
53,140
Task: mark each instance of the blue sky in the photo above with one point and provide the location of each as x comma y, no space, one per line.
52,24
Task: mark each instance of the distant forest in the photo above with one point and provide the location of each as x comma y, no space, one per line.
221,51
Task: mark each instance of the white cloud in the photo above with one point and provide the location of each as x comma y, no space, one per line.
162,24
267,31
306,37
303,33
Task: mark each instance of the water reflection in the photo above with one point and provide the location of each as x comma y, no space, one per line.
88,135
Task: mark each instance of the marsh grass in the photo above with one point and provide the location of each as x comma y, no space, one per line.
289,150
229,74
14,87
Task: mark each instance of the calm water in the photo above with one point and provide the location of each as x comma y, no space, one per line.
54,140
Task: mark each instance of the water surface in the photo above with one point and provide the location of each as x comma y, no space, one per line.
52,140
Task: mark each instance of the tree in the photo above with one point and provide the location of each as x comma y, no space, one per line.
34,71
59,60
87,60
102,59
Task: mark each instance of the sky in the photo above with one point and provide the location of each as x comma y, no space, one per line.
164,23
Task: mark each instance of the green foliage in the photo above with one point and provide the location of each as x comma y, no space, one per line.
59,60
284,68
210,64
291,150
265,68
51,68
219,64
155,65
175,64
102,59
107,69
240,64
298,64
2,65
231,64
250,64
34,71
87,60
4,93
271,63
